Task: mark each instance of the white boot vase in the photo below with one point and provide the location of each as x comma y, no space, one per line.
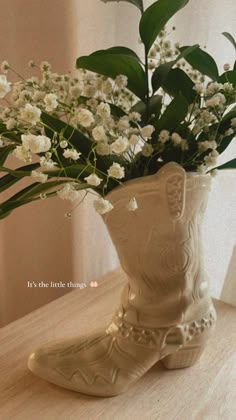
165,312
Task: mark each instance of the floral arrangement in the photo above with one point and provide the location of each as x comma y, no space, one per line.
122,117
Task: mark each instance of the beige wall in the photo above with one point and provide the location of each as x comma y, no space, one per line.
37,243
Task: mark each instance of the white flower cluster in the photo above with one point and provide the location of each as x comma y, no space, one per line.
101,109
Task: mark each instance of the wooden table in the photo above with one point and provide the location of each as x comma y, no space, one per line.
206,391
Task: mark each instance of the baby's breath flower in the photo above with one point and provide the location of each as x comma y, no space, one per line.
176,139
31,63
85,117
47,164
213,88
63,144
45,66
50,101
147,131
211,159
147,150
135,116
132,204
11,123
121,81
229,132
120,145
205,145
133,140
201,169
103,148
103,110
71,154
233,122
103,206
5,66
217,100
199,88
39,176
226,67
99,133
69,192
4,86
116,171
30,114
228,87
123,124
93,179
22,153
36,144
164,136
184,145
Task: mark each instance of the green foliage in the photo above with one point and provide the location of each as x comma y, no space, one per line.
155,105
230,38
55,125
16,175
177,82
161,72
174,114
112,63
4,152
31,193
117,50
231,164
228,77
156,17
203,62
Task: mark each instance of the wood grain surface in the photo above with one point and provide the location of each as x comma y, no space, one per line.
206,391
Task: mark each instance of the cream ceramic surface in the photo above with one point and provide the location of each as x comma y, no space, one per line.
165,311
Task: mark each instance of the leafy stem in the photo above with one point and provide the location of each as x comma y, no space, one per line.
147,85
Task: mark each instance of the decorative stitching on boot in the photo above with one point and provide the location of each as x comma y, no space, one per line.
160,337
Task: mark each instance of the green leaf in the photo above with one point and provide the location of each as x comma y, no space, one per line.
160,74
155,105
225,143
10,134
230,38
174,114
14,176
112,64
226,120
77,139
203,62
225,125
11,204
177,82
228,165
137,3
5,151
228,77
156,17
35,189
117,50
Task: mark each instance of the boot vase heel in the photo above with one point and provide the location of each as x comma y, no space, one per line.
183,358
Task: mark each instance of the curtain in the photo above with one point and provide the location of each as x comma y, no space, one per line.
37,243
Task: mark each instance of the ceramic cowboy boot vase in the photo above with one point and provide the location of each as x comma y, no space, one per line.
165,311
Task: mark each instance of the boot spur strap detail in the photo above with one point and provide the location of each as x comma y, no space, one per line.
160,337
